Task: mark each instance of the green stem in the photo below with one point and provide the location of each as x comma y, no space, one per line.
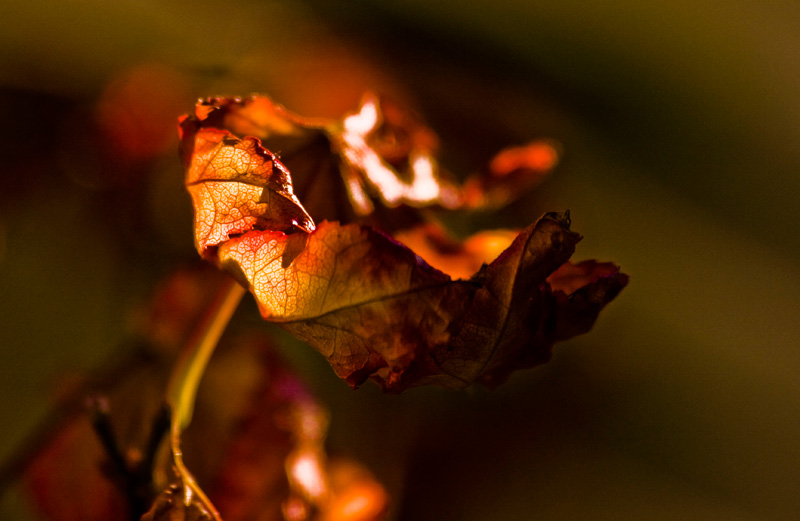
188,372
193,360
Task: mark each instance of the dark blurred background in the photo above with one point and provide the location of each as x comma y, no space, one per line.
679,122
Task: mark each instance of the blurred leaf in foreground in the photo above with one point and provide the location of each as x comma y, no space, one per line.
256,426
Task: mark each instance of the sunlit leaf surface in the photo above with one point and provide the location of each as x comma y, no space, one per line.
238,186
370,304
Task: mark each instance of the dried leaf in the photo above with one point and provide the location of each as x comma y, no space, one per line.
391,153
238,186
380,156
363,300
370,304
375,309
460,259
511,173
581,291
304,146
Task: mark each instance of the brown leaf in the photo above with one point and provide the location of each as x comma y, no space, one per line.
380,155
371,305
581,291
375,309
363,300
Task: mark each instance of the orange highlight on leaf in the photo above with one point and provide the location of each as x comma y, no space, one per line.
375,305
237,186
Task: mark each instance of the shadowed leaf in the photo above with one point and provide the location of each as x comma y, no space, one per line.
375,309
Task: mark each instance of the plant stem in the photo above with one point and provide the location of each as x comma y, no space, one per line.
186,376
193,360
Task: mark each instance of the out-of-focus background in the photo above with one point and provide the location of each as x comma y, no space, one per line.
679,121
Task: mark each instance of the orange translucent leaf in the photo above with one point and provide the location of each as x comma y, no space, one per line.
369,302
380,156
391,153
357,295
511,173
237,186
304,145
459,259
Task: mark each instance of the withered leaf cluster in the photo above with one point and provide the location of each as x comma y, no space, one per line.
317,218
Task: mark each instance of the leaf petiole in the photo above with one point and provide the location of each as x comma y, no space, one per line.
186,376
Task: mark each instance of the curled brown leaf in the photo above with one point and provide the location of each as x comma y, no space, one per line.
370,304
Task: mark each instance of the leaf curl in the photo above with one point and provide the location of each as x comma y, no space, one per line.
375,309
237,186
377,157
372,306
364,301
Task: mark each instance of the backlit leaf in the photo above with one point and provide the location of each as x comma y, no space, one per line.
363,300
304,146
370,304
511,173
238,186
380,156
